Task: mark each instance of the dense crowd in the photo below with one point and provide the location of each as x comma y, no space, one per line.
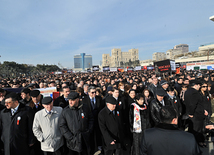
114,112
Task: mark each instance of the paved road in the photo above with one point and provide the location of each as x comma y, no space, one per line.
209,150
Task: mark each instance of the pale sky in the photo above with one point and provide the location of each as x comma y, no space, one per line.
53,31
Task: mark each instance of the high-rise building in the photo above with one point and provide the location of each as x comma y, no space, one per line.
82,62
118,57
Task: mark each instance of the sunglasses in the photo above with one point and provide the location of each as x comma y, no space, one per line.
93,92
204,86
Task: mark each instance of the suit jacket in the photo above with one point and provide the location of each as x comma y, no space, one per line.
17,136
111,128
166,139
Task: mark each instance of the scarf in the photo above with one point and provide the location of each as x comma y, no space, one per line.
137,119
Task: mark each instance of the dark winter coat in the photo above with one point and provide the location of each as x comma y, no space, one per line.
166,139
17,136
111,128
60,101
76,124
194,104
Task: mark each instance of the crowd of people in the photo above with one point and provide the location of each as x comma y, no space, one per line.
132,113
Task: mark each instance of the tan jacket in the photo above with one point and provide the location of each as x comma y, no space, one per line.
46,129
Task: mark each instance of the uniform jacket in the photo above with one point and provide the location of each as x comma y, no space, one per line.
76,124
47,129
165,139
111,128
17,135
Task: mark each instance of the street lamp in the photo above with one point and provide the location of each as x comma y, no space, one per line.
212,18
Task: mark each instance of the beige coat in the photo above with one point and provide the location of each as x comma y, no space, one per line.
46,129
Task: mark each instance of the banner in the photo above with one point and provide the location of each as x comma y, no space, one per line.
200,65
113,69
120,69
95,68
130,69
106,68
178,65
164,66
150,67
138,68
47,91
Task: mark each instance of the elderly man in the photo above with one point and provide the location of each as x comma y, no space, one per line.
167,139
111,127
76,125
46,128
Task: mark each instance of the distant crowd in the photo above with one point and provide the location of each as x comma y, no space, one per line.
135,113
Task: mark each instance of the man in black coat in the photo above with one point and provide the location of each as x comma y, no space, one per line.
111,127
95,104
76,125
195,110
62,101
167,139
16,125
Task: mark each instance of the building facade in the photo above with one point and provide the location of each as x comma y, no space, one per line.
183,47
170,54
82,62
158,56
118,58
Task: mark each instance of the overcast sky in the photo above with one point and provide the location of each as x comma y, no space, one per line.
53,31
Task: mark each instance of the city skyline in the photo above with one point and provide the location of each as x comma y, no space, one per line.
51,32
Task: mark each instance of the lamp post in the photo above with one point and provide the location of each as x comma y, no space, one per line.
212,18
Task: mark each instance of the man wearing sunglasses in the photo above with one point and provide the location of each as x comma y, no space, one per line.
96,105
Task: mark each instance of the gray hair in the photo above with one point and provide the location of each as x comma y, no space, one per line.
91,87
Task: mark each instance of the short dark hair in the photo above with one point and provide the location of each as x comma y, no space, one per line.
138,96
12,95
114,88
26,91
65,87
167,114
2,90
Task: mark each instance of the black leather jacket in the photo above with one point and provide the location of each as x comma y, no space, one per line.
155,107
